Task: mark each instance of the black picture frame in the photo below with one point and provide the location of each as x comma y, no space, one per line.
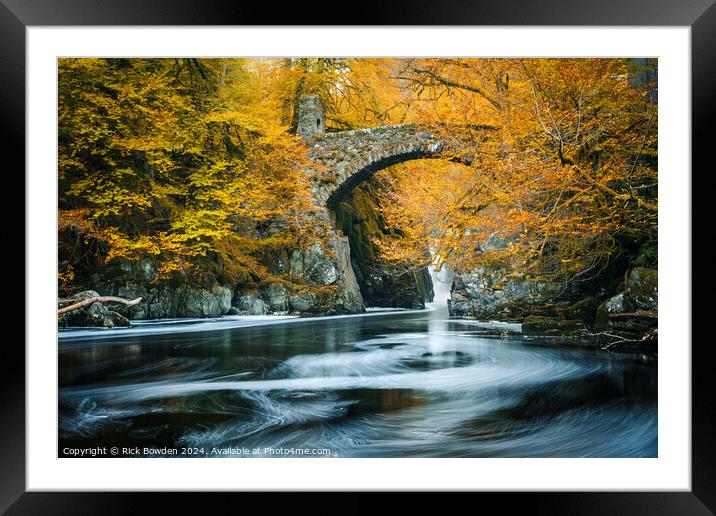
700,15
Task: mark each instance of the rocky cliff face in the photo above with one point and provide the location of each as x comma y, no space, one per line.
495,294
179,297
320,281
315,280
360,219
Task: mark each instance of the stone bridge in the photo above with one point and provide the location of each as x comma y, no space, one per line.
346,158
343,160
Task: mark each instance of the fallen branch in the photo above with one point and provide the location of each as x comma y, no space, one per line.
647,337
100,299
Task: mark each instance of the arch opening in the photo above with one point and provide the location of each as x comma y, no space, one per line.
421,281
367,172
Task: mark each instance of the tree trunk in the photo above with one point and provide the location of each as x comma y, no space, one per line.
100,299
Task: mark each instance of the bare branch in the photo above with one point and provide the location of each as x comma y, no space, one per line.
100,299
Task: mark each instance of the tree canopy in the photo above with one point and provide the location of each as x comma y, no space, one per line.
565,176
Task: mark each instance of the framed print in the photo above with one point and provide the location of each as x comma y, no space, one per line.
286,257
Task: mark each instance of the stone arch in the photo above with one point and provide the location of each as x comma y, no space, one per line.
347,158
344,159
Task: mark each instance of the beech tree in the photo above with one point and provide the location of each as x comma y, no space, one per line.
566,170
177,160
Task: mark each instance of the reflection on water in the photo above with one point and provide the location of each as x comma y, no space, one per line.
407,384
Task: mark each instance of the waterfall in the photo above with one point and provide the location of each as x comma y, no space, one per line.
442,281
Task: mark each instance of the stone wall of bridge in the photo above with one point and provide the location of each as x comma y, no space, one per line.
346,158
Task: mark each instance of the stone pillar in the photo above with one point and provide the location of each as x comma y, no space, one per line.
311,123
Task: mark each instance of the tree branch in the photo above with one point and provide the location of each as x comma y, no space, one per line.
452,84
100,299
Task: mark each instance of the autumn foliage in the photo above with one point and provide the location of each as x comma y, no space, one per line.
181,161
563,166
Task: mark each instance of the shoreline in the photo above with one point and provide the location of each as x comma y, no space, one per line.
225,322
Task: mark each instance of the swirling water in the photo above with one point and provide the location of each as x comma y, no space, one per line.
384,384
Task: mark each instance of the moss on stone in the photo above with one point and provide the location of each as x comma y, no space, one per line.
360,219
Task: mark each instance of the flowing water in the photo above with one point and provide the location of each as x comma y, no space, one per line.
383,384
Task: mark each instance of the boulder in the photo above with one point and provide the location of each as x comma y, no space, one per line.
629,320
642,288
302,302
277,296
639,321
584,310
614,305
212,302
323,272
487,293
96,315
632,325
171,300
252,305
319,268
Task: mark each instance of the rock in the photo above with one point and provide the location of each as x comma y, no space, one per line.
584,310
627,341
118,319
207,302
277,297
536,325
95,315
319,269
147,268
623,323
639,322
350,299
323,272
296,263
302,302
233,311
325,264
642,288
167,300
614,305
177,296
360,218
252,305
491,294
132,290
161,303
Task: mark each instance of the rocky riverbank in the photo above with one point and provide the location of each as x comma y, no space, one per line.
627,319
339,273
318,280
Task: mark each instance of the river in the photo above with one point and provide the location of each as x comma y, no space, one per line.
383,384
